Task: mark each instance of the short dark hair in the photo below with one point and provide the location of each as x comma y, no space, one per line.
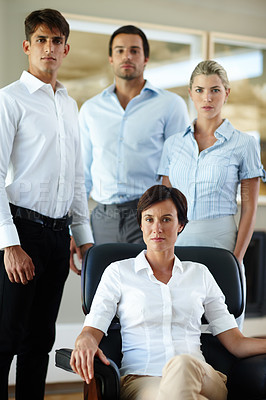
158,193
131,30
49,17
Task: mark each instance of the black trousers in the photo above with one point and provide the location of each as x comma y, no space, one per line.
28,312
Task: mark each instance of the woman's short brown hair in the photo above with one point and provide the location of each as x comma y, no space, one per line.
158,193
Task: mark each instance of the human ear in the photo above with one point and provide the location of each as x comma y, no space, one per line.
227,92
66,49
145,61
180,228
26,47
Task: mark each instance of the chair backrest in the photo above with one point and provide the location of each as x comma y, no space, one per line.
222,264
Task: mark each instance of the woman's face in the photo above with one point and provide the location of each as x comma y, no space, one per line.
209,95
160,225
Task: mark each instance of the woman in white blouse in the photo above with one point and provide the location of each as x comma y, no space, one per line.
160,301
207,162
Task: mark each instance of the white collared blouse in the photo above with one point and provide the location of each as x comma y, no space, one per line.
158,320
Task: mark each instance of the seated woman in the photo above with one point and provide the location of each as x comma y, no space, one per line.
160,301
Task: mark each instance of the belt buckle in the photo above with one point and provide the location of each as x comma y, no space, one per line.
58,225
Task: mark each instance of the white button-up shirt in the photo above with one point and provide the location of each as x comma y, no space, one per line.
40,156
158,321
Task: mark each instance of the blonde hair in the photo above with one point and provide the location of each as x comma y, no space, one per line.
210,67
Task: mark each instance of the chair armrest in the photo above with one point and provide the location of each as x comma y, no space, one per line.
247,379
107,375
62,359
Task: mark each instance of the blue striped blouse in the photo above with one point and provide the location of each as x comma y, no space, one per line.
209,179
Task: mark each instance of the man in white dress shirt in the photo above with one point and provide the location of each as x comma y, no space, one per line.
42,192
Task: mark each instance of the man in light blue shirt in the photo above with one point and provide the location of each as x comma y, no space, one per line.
123,130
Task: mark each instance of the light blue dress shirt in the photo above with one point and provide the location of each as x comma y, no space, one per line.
122,148
209,179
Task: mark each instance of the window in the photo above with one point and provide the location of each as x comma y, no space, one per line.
86,71
245,62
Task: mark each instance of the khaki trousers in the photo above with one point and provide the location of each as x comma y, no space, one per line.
184,378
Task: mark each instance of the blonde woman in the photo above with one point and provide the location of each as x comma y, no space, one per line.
207,162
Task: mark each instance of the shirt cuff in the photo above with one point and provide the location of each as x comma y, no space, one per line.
97,322
257,173
8,236
222,324
82,234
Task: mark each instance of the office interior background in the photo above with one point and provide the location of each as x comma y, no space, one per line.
181,33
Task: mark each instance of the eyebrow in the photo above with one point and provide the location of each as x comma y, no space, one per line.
45,37
212,87
131,47
165,215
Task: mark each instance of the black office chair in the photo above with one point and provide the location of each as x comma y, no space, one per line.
246,377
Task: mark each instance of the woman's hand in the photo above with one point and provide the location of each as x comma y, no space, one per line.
86,348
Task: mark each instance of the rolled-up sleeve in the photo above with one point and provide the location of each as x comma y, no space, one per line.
104,304
216,311
251,166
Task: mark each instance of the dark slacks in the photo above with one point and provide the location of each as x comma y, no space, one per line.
116,223
28,312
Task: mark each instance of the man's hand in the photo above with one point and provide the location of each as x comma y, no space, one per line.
18,264
80,251
86,348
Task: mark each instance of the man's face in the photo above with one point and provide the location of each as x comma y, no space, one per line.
45,50
128,58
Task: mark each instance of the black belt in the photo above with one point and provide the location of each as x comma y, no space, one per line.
128,204
56,224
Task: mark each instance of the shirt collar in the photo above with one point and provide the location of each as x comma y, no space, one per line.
225,130
33,84
147,86
141,263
